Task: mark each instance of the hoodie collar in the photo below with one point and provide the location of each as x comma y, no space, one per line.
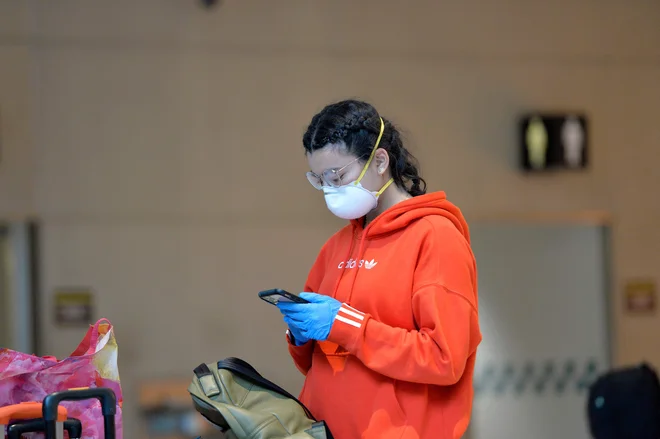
408,211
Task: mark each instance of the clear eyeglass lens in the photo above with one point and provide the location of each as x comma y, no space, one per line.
314,180
332,178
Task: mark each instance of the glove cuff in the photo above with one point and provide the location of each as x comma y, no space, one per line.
348,326
292,340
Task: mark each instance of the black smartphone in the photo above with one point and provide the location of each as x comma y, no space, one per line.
277,295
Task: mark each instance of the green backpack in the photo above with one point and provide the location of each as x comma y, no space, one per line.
232,395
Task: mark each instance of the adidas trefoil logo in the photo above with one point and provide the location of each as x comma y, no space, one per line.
370,264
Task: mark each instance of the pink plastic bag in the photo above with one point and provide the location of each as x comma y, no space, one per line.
25,378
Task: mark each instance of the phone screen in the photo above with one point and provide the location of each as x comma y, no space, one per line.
276,295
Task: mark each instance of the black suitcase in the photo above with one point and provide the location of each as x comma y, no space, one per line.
106,396
625,404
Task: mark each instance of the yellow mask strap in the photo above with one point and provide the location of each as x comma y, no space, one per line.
378,194
373,153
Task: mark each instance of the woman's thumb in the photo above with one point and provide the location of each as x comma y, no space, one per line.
311,297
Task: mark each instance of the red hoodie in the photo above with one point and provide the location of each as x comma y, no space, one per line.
399,360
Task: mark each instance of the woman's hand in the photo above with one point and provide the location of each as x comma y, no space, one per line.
296,336
312,320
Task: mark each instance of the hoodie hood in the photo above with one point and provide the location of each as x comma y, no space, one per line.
404,213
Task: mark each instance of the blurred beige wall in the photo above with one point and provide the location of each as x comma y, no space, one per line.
16,159
160,144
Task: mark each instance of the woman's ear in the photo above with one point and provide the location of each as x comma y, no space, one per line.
382,160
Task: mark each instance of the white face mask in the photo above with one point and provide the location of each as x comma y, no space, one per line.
353,201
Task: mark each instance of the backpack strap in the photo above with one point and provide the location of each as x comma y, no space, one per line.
210,388
207,380
242,368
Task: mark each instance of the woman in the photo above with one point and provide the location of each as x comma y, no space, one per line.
389,338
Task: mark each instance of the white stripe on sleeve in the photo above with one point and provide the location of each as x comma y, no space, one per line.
352,312
348,321
350,316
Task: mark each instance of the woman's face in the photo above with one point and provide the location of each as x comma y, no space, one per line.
334,166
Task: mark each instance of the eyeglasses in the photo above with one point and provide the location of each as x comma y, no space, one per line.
330,176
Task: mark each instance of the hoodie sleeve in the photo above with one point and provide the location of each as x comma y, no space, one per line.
302,355
444,303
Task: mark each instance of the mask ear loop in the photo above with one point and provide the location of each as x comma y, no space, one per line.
380,192
373,153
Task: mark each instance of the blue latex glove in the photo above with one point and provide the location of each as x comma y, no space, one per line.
298,338
312,320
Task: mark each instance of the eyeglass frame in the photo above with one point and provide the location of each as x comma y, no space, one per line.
335,171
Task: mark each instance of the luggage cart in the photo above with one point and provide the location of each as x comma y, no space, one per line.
52,418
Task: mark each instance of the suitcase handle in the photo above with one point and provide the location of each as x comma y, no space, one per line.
106,396
16,431
28,410
74,427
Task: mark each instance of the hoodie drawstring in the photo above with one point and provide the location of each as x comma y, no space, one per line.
345,260
346,265
357,271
